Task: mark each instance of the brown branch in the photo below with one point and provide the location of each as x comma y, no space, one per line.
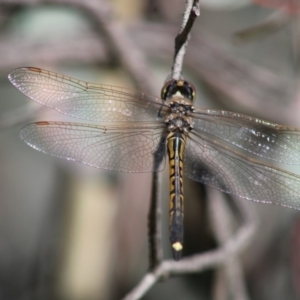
234,246
154,223
221,221
192,11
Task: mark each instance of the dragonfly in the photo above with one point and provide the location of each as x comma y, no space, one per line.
136,132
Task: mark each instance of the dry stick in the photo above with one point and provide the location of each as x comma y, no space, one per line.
192,11
234,246
154,224
221,221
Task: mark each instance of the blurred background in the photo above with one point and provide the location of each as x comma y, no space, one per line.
68,231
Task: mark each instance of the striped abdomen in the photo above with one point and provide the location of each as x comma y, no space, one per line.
176,145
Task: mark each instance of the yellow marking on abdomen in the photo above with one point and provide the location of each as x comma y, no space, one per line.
175,146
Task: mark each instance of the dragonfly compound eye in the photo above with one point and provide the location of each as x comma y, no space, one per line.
181,88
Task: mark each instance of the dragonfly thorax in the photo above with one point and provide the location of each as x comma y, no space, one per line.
179,123
180,105
179,96
178,118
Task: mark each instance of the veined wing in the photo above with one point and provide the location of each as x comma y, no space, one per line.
84,100
262,138
214,164
125,148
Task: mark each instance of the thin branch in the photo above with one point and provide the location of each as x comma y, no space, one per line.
154,223
192,11
234,246
221,221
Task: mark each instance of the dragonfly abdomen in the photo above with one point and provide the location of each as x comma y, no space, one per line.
175,146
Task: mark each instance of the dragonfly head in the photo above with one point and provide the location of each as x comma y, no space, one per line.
178,88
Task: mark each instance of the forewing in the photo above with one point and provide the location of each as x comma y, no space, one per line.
262,138
80,99
122,148
214,164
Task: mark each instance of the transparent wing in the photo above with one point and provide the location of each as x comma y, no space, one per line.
80,99
211,163
126,148
262,138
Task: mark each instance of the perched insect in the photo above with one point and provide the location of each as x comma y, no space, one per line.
206,145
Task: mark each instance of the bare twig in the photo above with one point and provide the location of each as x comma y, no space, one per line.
192,11
234,246
154,223
222,224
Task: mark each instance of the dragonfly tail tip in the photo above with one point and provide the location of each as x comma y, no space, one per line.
177,250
